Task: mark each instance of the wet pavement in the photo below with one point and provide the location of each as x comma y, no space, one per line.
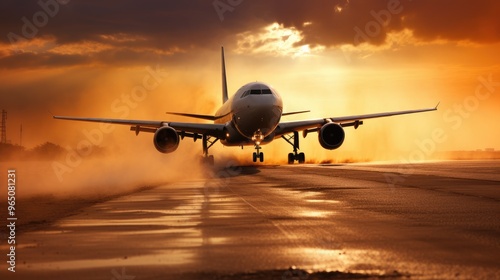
436,220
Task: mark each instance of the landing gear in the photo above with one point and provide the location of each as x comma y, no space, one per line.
208,160
300,157
207,143
295,156
258,155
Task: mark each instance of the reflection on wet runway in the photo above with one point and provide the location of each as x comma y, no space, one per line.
330,218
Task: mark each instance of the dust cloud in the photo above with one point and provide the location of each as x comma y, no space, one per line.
101,175
129,162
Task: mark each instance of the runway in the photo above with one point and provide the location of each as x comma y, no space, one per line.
434,220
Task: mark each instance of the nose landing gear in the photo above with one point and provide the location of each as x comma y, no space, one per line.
257,138
258,155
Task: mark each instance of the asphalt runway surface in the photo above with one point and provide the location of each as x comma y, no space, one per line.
434,220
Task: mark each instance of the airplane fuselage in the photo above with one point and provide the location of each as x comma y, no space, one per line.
251,115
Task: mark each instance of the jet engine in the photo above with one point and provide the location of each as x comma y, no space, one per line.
331,136
166,140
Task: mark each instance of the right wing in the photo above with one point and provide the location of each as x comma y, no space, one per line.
215,130
355,120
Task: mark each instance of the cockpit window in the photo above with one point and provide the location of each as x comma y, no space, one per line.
256,92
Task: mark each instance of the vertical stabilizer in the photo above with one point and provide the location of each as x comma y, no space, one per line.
224,81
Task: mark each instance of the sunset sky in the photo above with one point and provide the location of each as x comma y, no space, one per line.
88,58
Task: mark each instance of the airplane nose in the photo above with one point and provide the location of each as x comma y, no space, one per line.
262,115
267,109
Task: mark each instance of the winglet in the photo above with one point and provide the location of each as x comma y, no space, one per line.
437,105
224,80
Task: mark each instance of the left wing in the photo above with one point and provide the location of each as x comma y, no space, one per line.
288,127
215,130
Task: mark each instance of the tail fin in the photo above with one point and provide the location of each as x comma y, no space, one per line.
224,81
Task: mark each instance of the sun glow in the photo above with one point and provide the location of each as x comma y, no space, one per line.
277,40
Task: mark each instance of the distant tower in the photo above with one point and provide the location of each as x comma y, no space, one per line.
3,138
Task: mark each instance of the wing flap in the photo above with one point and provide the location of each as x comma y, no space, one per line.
114,121
216,130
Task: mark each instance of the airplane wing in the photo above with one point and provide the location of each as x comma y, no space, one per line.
215,130
288,127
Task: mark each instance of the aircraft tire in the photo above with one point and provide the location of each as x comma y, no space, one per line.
301,158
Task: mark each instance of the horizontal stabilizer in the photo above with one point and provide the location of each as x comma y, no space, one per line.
293,113
204,117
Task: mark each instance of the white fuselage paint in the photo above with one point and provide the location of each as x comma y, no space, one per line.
251,118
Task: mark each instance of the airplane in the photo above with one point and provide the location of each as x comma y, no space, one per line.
250,117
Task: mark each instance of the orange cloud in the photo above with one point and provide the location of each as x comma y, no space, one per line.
93,52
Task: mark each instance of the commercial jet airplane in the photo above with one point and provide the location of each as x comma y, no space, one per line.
251,117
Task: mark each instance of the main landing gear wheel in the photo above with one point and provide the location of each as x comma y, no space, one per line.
208,160
301,158
295,156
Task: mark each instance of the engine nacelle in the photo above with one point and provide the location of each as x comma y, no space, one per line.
166,140
331,136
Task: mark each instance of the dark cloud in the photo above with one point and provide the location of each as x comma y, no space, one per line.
31,60
161,23
336,22
477,21
164,25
